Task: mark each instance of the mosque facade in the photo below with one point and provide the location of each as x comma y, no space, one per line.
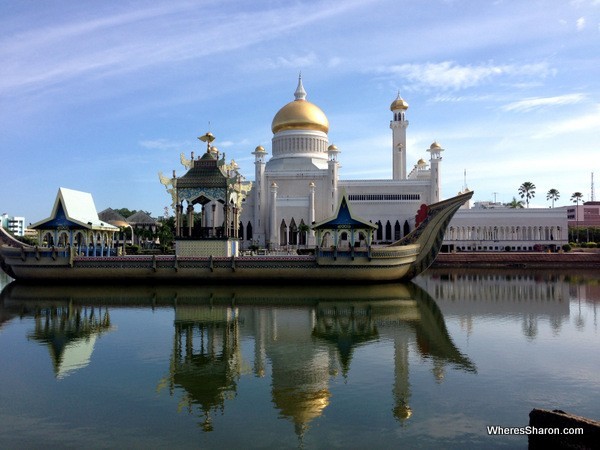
299,184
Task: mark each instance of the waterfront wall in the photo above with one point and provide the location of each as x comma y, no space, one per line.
517,259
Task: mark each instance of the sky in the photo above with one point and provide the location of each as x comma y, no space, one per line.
101,96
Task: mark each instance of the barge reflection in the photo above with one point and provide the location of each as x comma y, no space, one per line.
302,337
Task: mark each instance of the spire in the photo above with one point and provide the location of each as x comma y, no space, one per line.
300,93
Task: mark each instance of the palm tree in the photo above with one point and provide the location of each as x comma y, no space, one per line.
515,204
527,191
575,198
553,194
303,229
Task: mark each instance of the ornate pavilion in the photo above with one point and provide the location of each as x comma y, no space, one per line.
74,223
219,190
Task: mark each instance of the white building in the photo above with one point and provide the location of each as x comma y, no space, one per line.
299,184
496,229
15,225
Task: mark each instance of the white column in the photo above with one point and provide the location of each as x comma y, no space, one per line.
311,212
273,228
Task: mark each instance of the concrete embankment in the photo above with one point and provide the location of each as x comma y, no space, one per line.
517,259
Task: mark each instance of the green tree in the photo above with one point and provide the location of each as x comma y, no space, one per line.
527,191
166,233
515,204
553,195
125,212
304,229
576,197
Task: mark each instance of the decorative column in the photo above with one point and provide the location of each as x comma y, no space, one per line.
311,212
212,218
190,218
236,224
435,150
273,229
259,190
226,219
333,166
178,213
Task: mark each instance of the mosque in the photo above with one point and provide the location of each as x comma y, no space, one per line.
299,185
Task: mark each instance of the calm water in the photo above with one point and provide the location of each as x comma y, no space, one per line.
422,365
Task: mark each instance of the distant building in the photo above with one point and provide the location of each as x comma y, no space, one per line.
500,229
584,215
15,225
139,223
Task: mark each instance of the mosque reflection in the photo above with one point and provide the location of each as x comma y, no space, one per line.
301,337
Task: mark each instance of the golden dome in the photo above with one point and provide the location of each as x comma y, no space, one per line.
332,148
435,146
399,103
260,149
300,115
421,162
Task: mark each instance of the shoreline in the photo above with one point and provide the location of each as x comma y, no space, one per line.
539,260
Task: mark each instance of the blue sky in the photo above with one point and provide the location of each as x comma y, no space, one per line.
100,96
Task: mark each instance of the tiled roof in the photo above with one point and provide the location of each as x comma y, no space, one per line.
205,173
141,218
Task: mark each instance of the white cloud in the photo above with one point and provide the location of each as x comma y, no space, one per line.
227,144
580,23
294,61
130,42
539,102
453,76
334,62
584,122
164,144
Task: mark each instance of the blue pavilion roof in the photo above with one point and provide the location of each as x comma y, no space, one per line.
343,218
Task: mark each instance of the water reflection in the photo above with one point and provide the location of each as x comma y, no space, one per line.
70,332
531,296
302,337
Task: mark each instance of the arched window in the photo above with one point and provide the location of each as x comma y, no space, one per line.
379,234
302,239
241,231
397,231
249,231
283,233
48,239
63,239
293,239
388,231
406,227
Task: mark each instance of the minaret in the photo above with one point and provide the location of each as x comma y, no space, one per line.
332,172
398,125
259,216
435,150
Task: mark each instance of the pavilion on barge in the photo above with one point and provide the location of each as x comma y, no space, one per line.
219,190
74,223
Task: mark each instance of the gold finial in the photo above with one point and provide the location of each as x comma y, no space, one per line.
208,138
